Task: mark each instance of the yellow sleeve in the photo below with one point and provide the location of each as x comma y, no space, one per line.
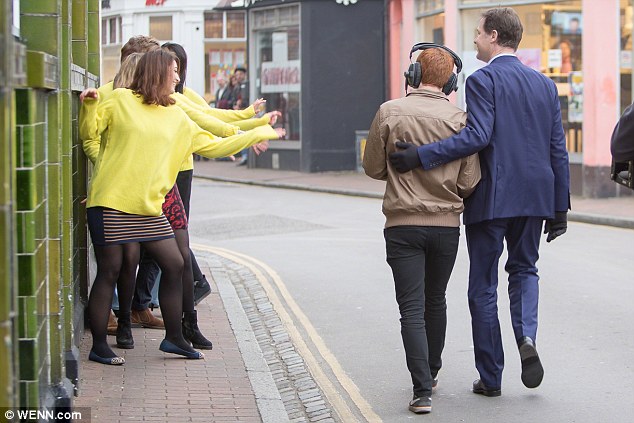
92,146
94,117
207,145
248,124
230,116
204,120
194,97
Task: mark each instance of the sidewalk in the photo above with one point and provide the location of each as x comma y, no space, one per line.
236,382
617,212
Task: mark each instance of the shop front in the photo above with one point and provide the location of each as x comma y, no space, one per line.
321,64
593,73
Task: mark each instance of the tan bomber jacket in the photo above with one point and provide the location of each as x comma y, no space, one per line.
420,197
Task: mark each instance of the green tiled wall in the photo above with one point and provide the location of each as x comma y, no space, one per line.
42,176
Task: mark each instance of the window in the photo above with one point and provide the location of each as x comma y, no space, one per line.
111,30
236,27
221,25
626,52
429,6
213,25
161,27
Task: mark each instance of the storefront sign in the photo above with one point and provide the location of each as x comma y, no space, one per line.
554,58
280,77
155,2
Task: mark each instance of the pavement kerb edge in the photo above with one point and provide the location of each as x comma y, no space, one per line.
572,216
267,396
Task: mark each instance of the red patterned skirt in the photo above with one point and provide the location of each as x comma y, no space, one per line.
174,209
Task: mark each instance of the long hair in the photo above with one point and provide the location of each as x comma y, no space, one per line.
125,76
153,77
180,53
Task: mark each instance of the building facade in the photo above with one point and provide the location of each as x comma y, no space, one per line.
584,46
215,40
50,53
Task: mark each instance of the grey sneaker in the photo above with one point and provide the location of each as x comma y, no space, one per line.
420,405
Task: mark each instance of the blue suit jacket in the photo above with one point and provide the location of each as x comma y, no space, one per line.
514,122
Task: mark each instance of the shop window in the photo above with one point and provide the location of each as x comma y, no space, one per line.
551,44
430,6
111,30
161,27
277,52
431,29
112,23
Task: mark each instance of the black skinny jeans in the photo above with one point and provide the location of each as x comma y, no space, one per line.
422,258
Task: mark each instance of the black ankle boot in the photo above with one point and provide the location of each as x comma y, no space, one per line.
192,333
124,331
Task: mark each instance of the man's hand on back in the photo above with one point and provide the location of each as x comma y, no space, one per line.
406,158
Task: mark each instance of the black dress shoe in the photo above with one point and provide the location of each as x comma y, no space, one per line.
480,389
532,370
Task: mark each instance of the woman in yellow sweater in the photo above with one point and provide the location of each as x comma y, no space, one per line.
149,138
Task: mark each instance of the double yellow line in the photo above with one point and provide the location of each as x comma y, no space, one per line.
261,270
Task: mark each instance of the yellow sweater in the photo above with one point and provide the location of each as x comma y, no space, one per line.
145,149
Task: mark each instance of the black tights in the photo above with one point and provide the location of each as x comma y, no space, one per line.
182,239
109,265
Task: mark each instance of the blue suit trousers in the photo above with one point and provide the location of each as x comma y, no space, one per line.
485,242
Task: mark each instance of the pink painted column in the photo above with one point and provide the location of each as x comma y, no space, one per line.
600,46
401,36
451,33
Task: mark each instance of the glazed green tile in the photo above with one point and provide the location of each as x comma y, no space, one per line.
21,318
93,5
54,275
28,359
25,145
41,32
40,143
33,394
54,203
40,181
79,20
40,6
26,274
25,106
80,53
54,130
41,270
26,190
94,62
41,223
42,72
55,347
67,117
28,310
26,231
64,56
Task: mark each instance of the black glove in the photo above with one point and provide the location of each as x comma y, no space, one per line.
557,226
405,159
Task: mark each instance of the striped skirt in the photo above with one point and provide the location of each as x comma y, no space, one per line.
112,227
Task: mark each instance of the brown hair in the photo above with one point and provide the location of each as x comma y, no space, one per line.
507,23
153,76
124,77
436,65
138,44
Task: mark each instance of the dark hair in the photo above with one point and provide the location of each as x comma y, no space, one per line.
507,23
436,66
152,77
138,44
179,51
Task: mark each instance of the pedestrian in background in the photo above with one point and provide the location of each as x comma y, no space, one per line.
514,122
422,211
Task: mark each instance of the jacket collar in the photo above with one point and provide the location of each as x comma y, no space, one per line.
425,92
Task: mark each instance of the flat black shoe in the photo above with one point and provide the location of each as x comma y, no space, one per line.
113,361
169,347
480,389
532,370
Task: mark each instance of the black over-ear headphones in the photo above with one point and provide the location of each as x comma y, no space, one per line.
414,73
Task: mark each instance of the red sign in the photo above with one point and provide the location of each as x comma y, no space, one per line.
155,2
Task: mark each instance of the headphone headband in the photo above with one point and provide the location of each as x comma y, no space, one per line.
425,46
